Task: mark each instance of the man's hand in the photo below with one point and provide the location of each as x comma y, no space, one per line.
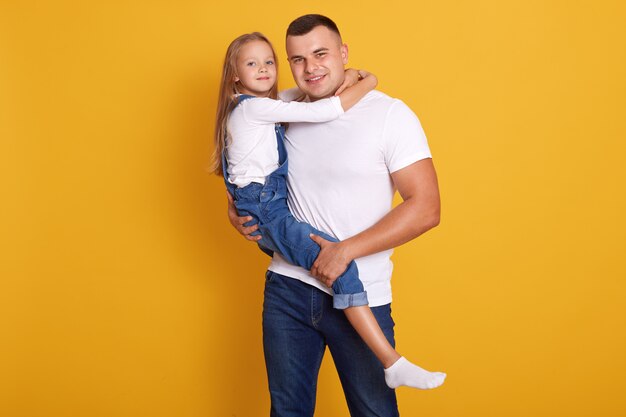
331,262
238,222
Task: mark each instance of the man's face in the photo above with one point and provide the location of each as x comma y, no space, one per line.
317,61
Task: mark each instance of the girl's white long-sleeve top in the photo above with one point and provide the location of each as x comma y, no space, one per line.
251,150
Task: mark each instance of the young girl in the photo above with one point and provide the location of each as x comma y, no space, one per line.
250,154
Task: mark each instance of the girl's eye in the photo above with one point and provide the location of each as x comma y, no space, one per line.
250,64
270,62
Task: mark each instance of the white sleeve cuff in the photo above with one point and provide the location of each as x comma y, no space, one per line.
337,103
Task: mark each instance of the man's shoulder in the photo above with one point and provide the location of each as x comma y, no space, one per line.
378,97
380,103
380,100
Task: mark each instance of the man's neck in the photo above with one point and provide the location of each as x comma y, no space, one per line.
311,99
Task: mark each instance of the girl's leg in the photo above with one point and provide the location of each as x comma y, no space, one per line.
398,370
367,327
291,239
349,295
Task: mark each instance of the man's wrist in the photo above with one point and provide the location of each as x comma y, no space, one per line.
347,250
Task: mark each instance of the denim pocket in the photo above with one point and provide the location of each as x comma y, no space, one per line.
269,276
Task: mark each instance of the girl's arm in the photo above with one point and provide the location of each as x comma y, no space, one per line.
265,110
357,84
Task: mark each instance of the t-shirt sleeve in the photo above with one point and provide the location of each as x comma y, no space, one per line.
404,139
266,110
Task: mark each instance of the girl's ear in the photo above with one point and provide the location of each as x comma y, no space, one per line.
236,79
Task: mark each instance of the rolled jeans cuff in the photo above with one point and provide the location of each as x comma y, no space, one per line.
343,301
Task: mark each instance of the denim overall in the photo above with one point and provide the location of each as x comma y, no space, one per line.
281,232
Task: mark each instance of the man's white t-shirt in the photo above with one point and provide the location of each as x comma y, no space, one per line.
339,179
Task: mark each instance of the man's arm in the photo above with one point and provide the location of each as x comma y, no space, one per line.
419,212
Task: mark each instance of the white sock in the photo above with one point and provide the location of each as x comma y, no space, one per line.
403,372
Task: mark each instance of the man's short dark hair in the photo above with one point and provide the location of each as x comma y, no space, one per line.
305,24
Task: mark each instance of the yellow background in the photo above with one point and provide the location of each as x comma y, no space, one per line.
125,292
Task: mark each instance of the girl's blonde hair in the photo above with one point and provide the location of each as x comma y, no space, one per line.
227,97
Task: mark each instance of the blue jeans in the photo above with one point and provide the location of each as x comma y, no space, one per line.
298,323
281,232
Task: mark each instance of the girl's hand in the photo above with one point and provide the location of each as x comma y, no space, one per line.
351,77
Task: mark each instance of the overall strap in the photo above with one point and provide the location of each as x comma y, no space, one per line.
280,142
242,97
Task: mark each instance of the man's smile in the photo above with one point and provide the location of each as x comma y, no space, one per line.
315,79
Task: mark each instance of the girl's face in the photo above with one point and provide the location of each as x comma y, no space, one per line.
256,69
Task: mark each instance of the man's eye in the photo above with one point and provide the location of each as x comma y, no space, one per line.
321,54
297,60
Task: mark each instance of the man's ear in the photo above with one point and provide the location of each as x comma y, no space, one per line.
344,53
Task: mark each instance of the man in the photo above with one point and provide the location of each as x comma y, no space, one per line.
342,178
